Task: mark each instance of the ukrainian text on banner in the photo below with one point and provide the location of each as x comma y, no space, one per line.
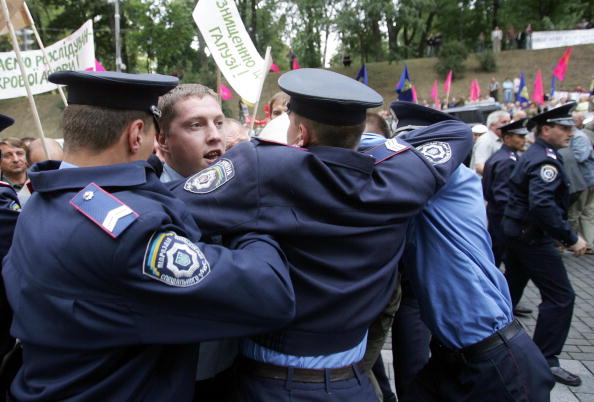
230,45
549,39
76,52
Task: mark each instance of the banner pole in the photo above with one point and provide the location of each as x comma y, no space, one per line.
266,68
17,50
219,85
45,58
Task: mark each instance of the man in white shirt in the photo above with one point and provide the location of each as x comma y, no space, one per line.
490,142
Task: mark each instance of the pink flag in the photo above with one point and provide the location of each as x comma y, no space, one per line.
295,65
559,70
414,93
274,68
538,93
225,92
98,66
475,90
448,83
435,93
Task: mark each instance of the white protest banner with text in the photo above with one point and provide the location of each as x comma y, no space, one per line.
230,45
549,39
76,52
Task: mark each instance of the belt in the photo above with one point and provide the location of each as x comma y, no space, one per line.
268,370
498,338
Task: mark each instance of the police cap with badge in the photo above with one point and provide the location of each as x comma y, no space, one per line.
328,97
115,90
515,127
411,116
558,116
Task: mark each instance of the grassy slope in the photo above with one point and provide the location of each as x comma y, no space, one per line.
382,77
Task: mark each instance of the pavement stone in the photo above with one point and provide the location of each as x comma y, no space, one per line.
578,353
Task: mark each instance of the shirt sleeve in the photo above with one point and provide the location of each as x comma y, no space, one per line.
581,148
500,182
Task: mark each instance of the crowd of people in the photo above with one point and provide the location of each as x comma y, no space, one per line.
160,253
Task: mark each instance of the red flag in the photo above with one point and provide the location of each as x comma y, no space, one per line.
538,92
435,93
475,90
414,93
295,65
225,92
559,70
448,83
274,68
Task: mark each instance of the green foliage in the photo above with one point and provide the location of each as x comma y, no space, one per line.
452,56
487,61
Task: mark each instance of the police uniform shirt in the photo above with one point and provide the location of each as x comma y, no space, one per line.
539,195
339,215
496,174
9,212
111,289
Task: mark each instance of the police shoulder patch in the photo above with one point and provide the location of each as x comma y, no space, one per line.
548,173
211,178
15,206
104,209
174,260
386,150
437,152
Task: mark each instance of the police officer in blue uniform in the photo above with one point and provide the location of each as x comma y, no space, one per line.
496,174
110,286
535,215
463,297
340,217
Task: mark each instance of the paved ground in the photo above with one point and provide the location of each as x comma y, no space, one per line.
578,353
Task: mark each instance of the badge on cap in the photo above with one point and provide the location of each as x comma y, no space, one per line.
104,209
174,260
211,178
548,173
437,152
551,153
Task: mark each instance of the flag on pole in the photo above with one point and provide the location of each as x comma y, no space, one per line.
414,94
404,86
18,16
274,68
522,94
448,83
225,92
295,65
538,91
435,93
561,66
553,85
363,74
98,67
475,90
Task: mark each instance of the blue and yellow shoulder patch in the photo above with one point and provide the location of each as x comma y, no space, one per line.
388,149
551,153
15,206
174,260
211,178
104,209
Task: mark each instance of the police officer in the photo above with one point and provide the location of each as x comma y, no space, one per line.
535,215
341,218
498,169
110,288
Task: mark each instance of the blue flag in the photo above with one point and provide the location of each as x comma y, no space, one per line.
553,85
404,87
363,74
522,94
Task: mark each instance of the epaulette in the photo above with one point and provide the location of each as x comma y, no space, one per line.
513,156
270,142
104,209
551,153
388,149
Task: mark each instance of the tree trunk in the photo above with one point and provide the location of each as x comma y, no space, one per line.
423,40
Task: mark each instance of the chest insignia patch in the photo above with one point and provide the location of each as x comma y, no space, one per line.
174,260
548,173
436,152
211,178
104,209
551,153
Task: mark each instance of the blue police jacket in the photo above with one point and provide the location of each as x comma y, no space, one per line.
498,169
111,289
340,217
9,212
463,297
539,197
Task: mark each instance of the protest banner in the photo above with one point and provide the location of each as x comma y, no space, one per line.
549,39
231,47
75,52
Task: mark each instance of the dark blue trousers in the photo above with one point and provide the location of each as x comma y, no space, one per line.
513,371
542,264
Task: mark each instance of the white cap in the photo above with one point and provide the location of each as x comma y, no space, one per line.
479,129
